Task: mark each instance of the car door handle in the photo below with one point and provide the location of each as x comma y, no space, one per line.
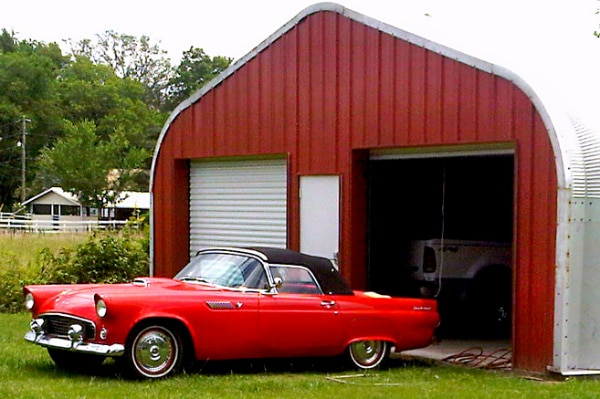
328,303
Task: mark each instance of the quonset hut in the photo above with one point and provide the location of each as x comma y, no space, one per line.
336,133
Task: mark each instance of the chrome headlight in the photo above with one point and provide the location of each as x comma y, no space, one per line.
101,309
29,301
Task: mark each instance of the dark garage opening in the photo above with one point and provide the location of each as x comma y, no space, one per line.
465,205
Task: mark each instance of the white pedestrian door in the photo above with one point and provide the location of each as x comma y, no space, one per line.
319,215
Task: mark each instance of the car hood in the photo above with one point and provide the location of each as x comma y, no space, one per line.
79,298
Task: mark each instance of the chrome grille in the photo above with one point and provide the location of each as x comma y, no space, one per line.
58,325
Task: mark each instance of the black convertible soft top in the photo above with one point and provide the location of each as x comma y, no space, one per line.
330,280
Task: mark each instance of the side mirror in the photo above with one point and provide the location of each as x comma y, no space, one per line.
277,283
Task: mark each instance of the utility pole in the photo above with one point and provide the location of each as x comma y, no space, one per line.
23,157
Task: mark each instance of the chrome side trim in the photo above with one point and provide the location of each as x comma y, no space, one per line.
219,305
113,350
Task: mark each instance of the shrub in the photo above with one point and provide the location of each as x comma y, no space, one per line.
11,297
103,258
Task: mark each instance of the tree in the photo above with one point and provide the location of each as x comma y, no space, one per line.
194,71
130,57
28,72
97,171
141,60
8,42
94,92
121,85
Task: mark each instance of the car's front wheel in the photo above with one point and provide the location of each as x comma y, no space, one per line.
156,351
368,354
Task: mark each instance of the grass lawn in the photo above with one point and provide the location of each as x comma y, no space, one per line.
26,371
20,249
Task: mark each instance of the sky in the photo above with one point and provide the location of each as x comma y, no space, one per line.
530,37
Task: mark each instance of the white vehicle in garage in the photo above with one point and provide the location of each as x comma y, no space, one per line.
471,279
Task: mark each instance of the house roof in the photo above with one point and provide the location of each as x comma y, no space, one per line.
58,191
573,141
133,200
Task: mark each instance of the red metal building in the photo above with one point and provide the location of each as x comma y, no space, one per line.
336,94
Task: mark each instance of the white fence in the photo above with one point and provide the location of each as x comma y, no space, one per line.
57,226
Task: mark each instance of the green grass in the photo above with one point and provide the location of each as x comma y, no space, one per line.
26,371
21,262
22,249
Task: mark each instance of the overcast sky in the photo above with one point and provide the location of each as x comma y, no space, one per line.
544,36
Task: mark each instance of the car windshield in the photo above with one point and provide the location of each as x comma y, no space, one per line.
224,269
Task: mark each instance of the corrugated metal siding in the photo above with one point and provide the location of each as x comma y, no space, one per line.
535,228
330,87
238,203
586,171
170,211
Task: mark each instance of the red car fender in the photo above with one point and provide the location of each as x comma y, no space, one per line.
370,328
406,323
171,319
123,323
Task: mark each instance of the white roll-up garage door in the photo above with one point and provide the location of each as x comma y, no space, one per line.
238,203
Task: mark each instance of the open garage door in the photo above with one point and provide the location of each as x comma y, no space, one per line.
238,203
443,226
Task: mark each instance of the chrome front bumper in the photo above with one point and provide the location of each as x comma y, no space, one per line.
75,346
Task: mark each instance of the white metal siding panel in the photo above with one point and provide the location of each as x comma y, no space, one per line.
238,203
586,172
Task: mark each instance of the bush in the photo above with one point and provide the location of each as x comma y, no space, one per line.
11,296
103,258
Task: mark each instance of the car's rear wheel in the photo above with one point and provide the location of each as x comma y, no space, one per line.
74,361
156,351
368,354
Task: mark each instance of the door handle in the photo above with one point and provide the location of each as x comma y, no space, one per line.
328,303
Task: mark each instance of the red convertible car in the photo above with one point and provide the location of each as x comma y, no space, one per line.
227,303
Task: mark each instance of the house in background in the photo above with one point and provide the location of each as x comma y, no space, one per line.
130,204
57,204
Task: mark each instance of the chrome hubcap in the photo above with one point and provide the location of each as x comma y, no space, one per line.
155,351
367,353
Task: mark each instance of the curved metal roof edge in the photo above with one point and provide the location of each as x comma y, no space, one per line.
560,128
